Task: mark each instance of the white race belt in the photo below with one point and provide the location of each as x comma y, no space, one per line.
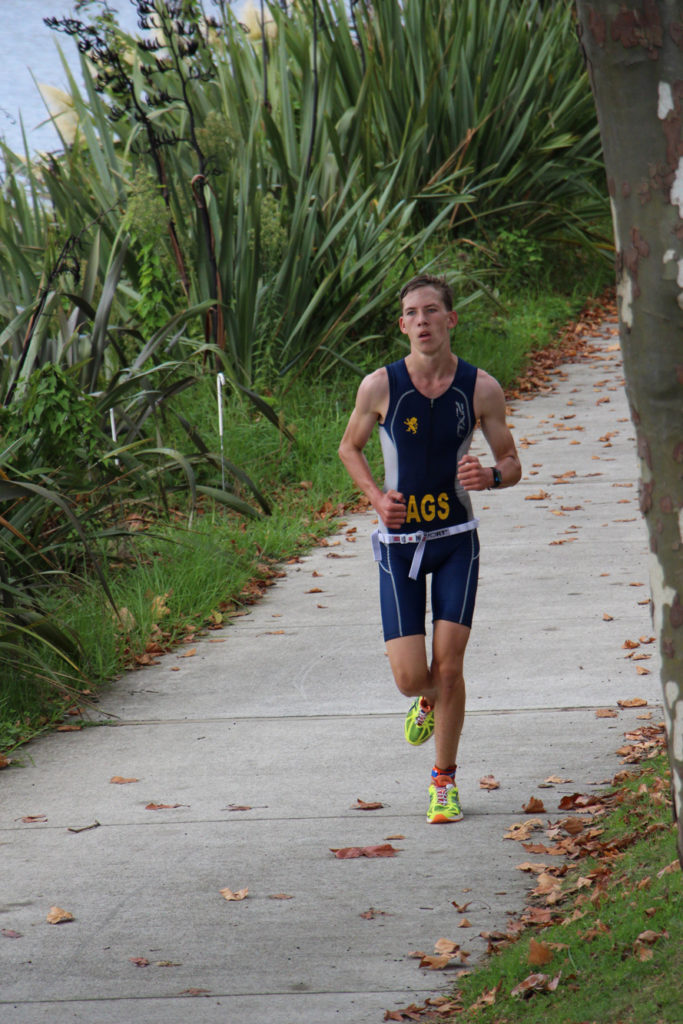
420,538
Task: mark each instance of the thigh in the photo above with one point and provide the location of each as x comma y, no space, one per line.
448,647
403,601
454,582
408,661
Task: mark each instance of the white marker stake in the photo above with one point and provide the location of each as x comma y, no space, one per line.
112,424
220,384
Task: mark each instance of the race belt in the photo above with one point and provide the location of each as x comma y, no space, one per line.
420,538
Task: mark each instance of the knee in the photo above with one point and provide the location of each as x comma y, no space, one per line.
448,675
409,684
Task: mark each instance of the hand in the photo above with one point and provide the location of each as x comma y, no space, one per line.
472,475
391,509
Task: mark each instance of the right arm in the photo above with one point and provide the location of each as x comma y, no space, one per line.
372,402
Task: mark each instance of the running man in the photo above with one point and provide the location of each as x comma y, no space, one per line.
427,406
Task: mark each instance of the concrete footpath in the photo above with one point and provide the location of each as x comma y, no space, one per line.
256,748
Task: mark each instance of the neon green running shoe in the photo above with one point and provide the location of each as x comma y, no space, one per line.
444,801
419,724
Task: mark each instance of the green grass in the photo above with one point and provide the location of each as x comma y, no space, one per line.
607,974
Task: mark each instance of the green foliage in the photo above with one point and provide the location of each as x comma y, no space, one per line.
54,419
261,186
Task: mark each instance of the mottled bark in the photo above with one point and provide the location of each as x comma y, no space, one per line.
634,54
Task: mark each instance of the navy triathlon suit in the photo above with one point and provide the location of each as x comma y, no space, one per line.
423,439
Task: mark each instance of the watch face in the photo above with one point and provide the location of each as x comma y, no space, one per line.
497,479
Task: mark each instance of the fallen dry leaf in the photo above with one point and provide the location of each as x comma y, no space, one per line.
488,997
119,780
189,654
650,937
412,1012
573,826
59,916
675,865
633,702
606,713
280,896
554,780
5,762
607,618
139,961
352,852
522,830
238,896
540,496
446,946
536,983
364,805
124,620
534,806
488,782
162,807
439,961
540,954
159,606
32,819
8,933
465,923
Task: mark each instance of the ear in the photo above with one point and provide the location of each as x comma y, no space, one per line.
402,325
452,318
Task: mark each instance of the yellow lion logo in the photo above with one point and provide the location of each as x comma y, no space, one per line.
411,425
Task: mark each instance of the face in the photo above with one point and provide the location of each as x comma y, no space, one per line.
426,320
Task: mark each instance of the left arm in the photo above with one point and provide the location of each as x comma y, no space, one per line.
489,407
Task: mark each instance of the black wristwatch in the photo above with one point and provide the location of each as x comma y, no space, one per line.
497,477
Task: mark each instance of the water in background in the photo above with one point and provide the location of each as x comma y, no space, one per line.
28,51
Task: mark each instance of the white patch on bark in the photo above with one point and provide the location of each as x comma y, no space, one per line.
661,594
624,284
666,101
677,188
625,296
669,255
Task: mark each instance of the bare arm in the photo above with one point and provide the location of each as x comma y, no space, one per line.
372,401
489,406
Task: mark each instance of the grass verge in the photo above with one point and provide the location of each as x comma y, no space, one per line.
601,939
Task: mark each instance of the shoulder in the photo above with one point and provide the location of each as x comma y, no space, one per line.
489,397
373,392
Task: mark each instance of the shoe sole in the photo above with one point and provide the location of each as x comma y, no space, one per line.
441,819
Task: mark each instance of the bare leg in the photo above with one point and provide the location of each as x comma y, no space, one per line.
442,684
448,654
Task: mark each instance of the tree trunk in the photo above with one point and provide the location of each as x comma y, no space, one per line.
634,54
